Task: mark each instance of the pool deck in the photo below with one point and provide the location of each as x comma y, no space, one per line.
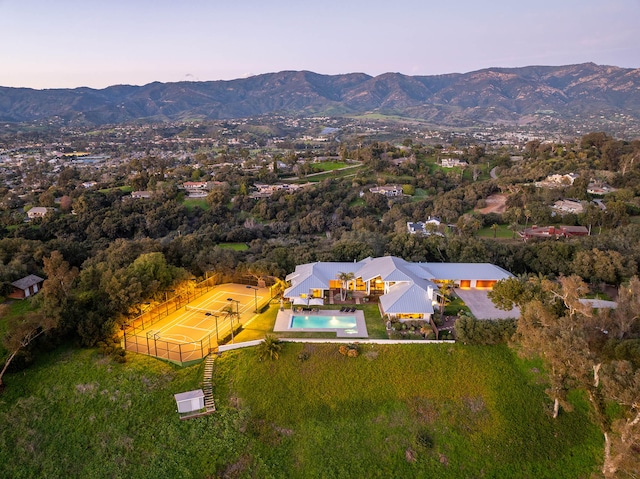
283,320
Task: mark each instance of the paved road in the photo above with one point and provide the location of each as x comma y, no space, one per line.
482,307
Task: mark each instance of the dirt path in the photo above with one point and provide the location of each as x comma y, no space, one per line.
495,204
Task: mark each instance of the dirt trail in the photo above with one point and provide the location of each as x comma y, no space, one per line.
495,204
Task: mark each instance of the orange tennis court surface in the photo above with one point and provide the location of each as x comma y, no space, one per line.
191,332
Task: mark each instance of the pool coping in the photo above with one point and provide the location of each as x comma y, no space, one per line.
283,320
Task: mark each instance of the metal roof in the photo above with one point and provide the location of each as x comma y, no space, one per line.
27,281
189,395
406,298
409,294
457,271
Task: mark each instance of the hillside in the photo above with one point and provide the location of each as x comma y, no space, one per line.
392,412
493,95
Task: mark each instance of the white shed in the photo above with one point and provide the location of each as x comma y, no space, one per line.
190,401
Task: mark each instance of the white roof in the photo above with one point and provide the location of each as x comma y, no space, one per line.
409,282
406,298
189,395
457,271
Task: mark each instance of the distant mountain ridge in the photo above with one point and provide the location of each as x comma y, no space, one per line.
502,95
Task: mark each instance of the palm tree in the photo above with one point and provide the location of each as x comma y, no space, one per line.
269,348
344,283
494,227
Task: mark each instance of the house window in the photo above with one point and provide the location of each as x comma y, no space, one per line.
377,285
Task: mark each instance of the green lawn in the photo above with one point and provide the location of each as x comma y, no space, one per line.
420,194
16,307
329,165
502,232
456,411
454,306
446,411
124,189
191,203
234,246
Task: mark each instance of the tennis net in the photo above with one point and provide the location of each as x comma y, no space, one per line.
207,312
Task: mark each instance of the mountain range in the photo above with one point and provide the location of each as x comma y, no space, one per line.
492,95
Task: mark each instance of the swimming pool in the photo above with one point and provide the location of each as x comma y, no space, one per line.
323,322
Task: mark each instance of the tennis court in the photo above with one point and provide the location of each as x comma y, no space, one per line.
190,332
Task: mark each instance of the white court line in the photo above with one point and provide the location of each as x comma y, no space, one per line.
210,301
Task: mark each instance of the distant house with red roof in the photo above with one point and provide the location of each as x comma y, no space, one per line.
553,232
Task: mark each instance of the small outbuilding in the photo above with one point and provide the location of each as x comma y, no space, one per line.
190,403
26,287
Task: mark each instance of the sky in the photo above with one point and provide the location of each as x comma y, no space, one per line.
89,43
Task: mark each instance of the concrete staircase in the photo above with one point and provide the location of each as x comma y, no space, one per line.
207,387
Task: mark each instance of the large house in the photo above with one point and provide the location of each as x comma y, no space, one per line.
407,291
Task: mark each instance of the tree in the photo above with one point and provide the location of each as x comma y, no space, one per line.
576,345
57,288
344,283
270,348
21,332
602,266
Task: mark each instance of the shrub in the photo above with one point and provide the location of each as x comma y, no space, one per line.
269,348
431,335
350,350
471,331
228,337
303,356
424,439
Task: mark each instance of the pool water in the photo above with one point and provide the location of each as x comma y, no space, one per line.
323,322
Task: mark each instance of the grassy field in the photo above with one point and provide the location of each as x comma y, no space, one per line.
191,203
396,412
503,232
445,411
234,246
16,307
329,165
124,189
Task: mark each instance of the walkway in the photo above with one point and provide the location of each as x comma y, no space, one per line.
482,307
207,387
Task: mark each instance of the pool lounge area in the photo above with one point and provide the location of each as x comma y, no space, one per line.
344,324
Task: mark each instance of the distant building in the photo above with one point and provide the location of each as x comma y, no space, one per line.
387,190
140,194
569,206
553,232
599,189
26,287
452,162
37,212
265,191
557,181
420,227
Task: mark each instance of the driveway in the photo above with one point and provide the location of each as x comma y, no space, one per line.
482,307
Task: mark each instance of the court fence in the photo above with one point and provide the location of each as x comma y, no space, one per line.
140,338
136,340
